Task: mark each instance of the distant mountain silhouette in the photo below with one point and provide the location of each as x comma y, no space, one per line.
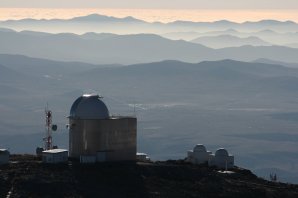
32,33
97,36
129,49
223,41
267,61
119,25
252,76
246,53
103,18
193,34
285,39
41,67
271,22
125,49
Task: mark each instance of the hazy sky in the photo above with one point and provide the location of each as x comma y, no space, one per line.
196,4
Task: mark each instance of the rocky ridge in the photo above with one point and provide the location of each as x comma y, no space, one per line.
26,176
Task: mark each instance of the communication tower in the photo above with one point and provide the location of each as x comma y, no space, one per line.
49,128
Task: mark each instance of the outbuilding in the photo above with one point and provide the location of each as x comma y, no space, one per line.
55,156
143,157
4,156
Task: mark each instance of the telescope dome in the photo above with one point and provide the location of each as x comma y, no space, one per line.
199,148
89,107
222,152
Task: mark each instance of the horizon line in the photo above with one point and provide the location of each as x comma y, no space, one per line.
154,15
179,20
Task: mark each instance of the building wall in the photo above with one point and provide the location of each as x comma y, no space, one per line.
222,161
54,158
116,137
198,157
87,159
4,158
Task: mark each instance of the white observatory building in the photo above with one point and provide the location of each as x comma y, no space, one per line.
94,133
221,159
199,155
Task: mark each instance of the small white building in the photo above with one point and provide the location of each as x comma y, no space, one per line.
143,157
55,156
4,156
199,155
221,159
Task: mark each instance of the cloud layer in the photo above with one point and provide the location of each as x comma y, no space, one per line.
176,4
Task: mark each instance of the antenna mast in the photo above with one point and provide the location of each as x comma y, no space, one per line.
48,139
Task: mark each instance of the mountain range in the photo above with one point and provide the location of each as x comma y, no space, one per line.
274,38
270,32
101,23
223,41
129,49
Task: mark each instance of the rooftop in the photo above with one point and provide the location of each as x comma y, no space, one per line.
55,151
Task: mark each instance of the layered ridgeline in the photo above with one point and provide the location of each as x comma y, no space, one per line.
130,49
269,31
262,37
101,23
249,108
223,41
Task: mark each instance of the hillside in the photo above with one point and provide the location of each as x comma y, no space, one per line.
26,176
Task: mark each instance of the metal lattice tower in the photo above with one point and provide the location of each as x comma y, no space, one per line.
48,144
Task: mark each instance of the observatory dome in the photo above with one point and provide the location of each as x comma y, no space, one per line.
222,152
199,148
89,107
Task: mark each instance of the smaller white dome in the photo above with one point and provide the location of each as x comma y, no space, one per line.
222,152
199,148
